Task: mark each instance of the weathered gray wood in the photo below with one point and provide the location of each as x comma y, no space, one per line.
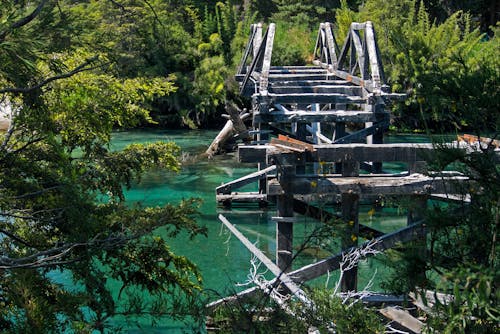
257,40
308,98
412,184
318,89
242,181
338,152
404,318
331,45
245,197
280,275
237,118
266,64
320,116
310,83
375,66
220,139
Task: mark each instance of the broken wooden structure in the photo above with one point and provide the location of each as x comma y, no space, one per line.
306,154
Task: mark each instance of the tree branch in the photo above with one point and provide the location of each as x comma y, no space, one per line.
24,21
81,68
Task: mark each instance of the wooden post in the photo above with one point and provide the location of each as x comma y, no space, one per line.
350,210
350,213
257,40
284,222
339,133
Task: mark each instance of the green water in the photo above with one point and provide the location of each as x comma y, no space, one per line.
222,259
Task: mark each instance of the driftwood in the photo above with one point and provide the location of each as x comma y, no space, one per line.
234,126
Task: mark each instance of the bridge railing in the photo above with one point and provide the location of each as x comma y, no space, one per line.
359,59
260,66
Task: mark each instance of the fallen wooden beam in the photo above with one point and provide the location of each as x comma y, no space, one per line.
294,289
404,318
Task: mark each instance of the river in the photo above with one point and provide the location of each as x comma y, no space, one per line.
222,259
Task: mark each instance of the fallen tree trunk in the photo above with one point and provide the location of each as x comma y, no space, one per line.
234,126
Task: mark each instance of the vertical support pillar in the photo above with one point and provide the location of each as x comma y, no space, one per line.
284,223
261,105
350,210
339,133
350,213
416,212
257,40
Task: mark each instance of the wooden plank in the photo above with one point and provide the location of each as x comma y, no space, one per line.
338,152
318,89
316,98
411,184
325,116
371,152
294,142
242,197
404,318
242,181
280,275
310,83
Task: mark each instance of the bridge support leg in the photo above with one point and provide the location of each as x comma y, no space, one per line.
350,210
284,223
416,213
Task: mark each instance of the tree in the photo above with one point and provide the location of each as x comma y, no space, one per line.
62,189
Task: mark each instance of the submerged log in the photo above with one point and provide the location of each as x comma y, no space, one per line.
234,126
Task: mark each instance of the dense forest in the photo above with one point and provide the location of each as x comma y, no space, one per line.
71,72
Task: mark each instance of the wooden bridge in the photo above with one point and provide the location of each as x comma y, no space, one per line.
305,149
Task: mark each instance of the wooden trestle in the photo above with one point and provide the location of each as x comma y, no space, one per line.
309,108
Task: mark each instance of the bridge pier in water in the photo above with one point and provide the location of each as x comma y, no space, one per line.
300,117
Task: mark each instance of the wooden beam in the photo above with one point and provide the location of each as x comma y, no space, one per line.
318,89
362,134
308,98
242,181
326,116
401,185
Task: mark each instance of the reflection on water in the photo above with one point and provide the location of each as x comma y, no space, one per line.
221,258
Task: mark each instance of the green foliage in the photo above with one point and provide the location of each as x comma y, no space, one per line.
474,307
446,68
293,44
258,316
62,200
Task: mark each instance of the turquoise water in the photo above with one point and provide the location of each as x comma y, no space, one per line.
222,259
